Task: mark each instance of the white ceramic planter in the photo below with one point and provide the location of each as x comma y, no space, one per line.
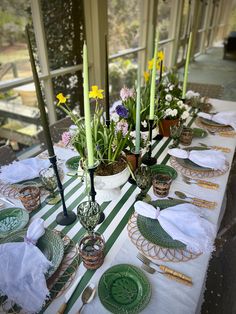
108,187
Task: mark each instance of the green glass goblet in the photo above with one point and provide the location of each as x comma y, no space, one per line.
49,181
89,214
175,132
143,180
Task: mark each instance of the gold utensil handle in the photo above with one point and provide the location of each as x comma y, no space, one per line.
62,308
210,184
227,133
223,149
207,186
204,203
175,273
184,282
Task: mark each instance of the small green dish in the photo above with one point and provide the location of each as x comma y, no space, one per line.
11,220
164,169
50,244
124,289
73,163
198,132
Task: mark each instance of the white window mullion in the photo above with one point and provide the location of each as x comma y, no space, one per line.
43,58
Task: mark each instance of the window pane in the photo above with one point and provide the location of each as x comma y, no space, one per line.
185,18
14,59
65,32
202,10
164,17
124,24
122,72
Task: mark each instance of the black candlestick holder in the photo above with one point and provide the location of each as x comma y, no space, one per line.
93,193
64,218
131,179
148,159
108,123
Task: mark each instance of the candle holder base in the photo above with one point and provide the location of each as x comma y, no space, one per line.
63,220
158,137
131,180
149,161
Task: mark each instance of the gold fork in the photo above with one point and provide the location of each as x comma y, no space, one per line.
165,270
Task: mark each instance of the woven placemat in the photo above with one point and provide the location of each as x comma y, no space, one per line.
59,282
188,171
213,128
155,251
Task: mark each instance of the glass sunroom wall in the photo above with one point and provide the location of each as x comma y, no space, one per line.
184,29
125,41
166,23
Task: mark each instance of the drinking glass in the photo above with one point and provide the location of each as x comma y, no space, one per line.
143,180
161,184
186,136
49,182
88,213
175,132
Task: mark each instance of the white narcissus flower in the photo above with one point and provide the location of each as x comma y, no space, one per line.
185,115
144,123
174,112
180,103
115,117
168,97
171,87
168,112
167,103
166,90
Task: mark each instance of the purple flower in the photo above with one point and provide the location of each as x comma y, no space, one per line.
126,93
66,137
122,111
123,127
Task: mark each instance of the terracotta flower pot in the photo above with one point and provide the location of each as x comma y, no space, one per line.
164,126
131,159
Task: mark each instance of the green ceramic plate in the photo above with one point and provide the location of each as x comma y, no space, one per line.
152,230
191,165
12,219
50,244
164,169
198,132
73,163
210,122
124,289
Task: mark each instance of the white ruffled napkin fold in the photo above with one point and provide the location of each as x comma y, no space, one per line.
26,169
182,222
205,158
224,117
22,270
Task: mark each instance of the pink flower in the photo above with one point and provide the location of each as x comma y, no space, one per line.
66,137
122,126
126,93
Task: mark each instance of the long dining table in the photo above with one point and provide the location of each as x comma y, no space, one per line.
168,296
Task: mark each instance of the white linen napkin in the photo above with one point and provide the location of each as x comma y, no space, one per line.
224,117
205,158
182,222
26,169
22,270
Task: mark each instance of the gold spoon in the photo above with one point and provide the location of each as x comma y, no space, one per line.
87,296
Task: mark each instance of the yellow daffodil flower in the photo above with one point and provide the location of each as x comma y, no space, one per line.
146,76
96,93
160,55
150,64
61,98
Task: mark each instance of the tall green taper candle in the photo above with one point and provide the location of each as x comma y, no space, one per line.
41,105
153,81
186,66
88,131
137,126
